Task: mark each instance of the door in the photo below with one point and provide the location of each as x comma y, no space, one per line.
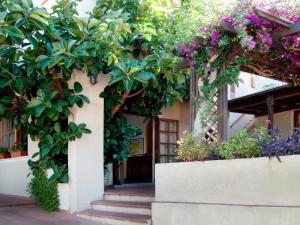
167,134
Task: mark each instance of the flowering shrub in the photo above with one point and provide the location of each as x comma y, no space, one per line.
194,148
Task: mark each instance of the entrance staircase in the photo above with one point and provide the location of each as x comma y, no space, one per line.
122,206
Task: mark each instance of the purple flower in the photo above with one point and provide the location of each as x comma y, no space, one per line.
248,43
254,20
265,40
295,19
214,38
252,45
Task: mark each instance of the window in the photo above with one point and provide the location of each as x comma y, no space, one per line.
7,133
167,136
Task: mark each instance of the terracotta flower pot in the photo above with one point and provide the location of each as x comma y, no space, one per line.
19,153
5,155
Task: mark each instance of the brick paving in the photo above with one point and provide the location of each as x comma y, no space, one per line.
23,211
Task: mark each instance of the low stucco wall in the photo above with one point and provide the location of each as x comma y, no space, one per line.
13,176
256,191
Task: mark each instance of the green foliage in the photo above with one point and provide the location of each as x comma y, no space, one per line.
44,191
194,148
144,73
243,145
39,50
117,137
3,150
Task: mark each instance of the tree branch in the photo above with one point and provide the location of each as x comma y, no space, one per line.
136,93
116,108
57,82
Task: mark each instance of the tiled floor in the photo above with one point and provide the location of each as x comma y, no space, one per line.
23,211
134,189
10,200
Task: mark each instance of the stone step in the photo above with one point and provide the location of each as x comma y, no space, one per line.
116,218
142,208
128,197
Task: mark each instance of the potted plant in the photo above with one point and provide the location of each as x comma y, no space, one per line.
17,151
4,154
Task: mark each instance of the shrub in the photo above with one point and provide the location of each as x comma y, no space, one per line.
194,148
44,191
243,145
277,146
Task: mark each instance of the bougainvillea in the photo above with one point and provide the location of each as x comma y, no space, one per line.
254,34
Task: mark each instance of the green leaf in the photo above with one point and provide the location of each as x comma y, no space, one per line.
38,18
84,98
55,60
93,22
48,138
71,43
38,110
4,82
57,127
2,109
144,77
77,87
2,16
72,99
148,37
33,41
34,103
68,62
15,32
127,84
7,100
41,58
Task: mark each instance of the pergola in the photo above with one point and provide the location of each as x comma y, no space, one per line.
262,64
267,102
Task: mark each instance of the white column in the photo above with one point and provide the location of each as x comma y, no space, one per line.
85,155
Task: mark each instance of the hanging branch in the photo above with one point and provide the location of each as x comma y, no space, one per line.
57,82
116,108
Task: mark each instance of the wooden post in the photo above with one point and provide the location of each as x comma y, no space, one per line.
223,113
192,103
270,104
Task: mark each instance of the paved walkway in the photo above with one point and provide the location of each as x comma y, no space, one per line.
23,211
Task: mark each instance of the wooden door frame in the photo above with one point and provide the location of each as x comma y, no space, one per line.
157,135
296,117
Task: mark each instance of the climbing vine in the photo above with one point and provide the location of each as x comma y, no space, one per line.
39,50
233,43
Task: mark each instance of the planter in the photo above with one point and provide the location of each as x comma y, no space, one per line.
19,153
228,192
5,155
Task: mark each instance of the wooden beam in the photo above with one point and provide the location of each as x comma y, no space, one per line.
270,104
192,103
294,29
271,17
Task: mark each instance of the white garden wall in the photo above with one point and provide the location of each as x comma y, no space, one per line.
255,191
85,159
13,176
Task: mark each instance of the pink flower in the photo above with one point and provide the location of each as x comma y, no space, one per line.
248,43
214,38
254,20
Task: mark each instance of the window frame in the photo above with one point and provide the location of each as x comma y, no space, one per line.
158,131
